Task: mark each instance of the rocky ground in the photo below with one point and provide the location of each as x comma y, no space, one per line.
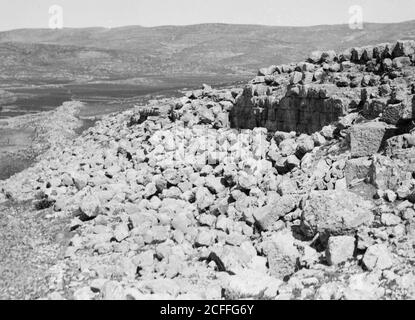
30,246
298,186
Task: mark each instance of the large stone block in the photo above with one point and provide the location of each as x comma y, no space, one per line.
357,169
340,249
403,110
366,139
372,108
387,174
401,62
379,257
302,108
395,145
282,254
335,213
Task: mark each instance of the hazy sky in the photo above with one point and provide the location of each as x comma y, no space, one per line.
112,13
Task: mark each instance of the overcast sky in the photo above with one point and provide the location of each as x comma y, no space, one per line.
112,13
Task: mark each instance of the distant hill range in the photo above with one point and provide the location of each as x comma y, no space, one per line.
28,55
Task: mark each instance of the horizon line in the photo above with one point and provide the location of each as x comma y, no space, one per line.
204,23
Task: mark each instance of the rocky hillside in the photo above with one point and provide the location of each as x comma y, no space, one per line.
24,138
127,52
298,186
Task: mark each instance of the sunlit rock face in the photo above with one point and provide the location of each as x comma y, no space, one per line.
306,96
303,108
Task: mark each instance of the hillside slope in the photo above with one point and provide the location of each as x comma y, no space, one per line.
100,53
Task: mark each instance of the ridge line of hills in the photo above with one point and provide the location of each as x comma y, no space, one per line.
99,54
203,24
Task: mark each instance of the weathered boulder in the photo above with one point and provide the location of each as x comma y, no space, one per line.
205,238
366,138
251,284
305,144
387,174
394,144
364,286
401,62
247,181
214,184
378,257
296,77
340,249
269,214
84,293
90,206
204,198
281,253
113,290
121,232
80,180
267,71
357,169
400,109
335,213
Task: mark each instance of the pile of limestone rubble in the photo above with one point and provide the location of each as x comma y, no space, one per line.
50,128
298,186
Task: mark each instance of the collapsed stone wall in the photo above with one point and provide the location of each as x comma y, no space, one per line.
377,80
305,110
